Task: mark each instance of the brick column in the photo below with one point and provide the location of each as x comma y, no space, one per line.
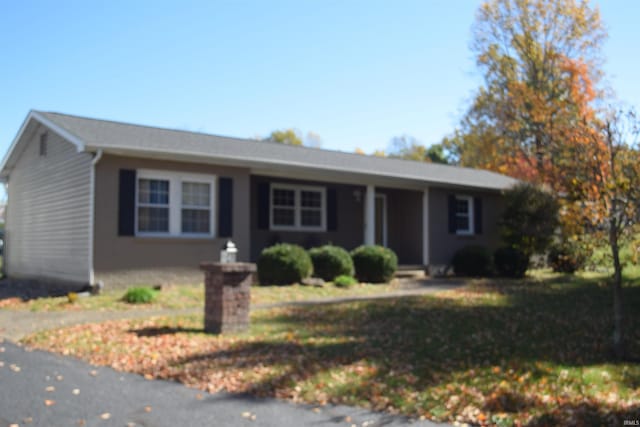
227,296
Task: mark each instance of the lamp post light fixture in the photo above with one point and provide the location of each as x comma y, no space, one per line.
229,253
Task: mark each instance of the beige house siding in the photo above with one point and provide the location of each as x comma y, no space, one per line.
442,244
121,261
47,229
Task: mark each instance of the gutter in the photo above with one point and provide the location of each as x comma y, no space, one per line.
92,196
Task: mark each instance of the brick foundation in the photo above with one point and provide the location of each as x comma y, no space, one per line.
227,296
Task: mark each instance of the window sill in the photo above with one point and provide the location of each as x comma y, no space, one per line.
299,229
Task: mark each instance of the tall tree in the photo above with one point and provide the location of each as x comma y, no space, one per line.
409,148
286,136
605,193
540,60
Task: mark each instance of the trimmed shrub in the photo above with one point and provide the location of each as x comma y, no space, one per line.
344,281
374,264
529,219
139,296
330,261
566,257
510,262
473,261
283,264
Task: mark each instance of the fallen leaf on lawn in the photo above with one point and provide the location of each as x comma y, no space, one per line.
50,388
1,363
347,419
199,396
93,373
81,423
14,425
246,414
49,402
28,420
76,391
14,368
317,410
59,377
2,349
147,409
105,416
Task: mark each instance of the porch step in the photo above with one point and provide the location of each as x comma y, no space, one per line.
410,272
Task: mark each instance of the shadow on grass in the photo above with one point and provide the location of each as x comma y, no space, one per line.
395,352
164,330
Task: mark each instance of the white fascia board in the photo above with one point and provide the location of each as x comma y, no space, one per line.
79,144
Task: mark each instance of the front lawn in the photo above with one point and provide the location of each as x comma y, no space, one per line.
533,352
192,296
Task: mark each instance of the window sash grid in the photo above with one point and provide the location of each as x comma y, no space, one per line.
297,208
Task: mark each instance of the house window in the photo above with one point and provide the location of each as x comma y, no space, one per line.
464,215
196,207
153,205
174,204
43,145
297,207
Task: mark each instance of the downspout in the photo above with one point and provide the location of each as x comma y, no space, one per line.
92,209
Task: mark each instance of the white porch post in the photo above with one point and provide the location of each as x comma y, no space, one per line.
370,215
425,227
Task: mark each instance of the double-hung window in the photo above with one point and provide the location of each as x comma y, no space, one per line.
464,215
174,204
298,207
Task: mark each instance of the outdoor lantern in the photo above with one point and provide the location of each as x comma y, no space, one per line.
228,253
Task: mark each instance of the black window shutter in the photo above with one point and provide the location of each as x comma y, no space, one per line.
332,209
263,205
452,214
225,207
126,202
477,214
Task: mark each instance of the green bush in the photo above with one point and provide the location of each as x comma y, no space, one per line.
529,219
139,295
330,261
510,262
567,257
374,264
473,261
283,264
344,281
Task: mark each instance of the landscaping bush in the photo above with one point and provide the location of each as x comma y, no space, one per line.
283,264
139,295
510,262
344,281
529,219
473,261
567,257
331,261
374,264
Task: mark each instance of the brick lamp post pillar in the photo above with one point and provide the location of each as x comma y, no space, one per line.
227,296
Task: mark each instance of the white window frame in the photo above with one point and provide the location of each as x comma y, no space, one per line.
297,208
175,201
470,213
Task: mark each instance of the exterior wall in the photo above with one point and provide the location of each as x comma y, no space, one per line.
349,233
404,224
48,211
442,244
130,260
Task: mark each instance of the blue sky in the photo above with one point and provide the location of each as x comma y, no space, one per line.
355,72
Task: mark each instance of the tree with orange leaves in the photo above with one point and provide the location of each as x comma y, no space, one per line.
604,192
540,61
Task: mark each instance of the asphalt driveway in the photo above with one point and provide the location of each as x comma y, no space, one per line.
44,389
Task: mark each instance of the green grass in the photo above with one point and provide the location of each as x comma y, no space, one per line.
191,296
501,352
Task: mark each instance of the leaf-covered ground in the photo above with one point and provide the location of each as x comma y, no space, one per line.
509,353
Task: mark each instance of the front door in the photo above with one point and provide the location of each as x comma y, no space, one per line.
381,220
